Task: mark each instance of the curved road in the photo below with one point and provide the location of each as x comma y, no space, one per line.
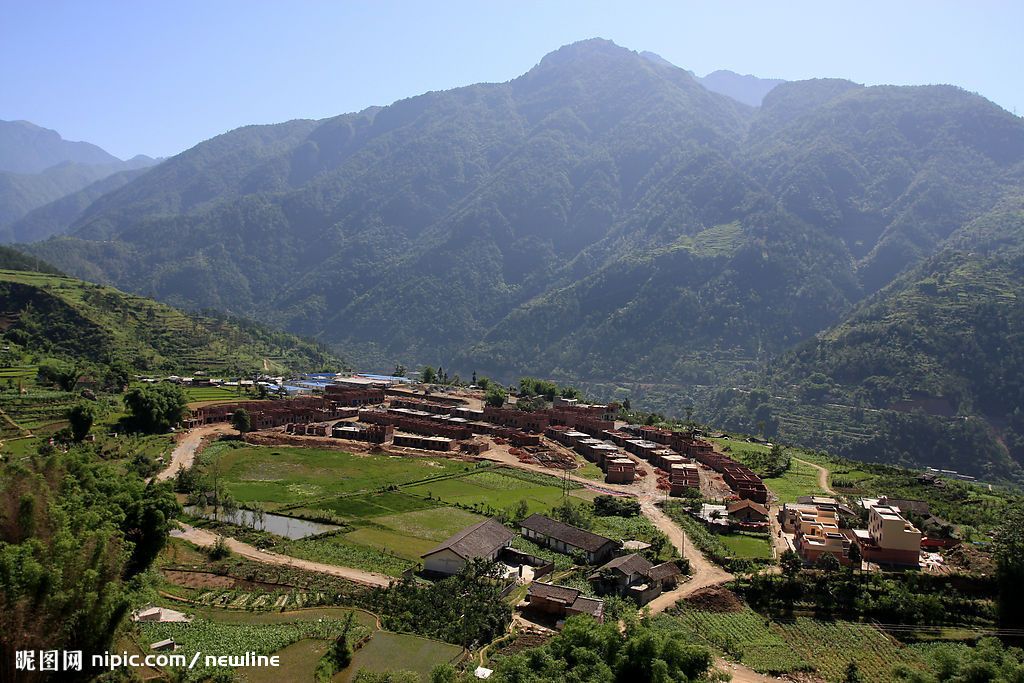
822,476
190,444
205,539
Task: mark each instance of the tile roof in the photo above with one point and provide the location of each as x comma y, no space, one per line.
479,540
740,504
663,571
549,591
574,536
629,564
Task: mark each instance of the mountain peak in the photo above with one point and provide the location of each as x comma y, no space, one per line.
28,148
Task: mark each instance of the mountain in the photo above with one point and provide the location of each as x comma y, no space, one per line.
750,90
27,148
12,259
47,315
55,217
38,167
934,360
604,219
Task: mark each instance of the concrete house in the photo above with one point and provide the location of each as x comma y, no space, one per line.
483,541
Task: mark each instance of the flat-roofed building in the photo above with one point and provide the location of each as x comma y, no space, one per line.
890,539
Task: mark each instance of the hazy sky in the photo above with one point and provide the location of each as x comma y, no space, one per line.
157,77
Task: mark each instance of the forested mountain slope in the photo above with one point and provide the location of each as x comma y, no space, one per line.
603,217
938,354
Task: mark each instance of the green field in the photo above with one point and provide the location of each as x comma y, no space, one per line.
196,394
16,372
804,644
221,638
496,489
283,475
393,509
747,547
388,651
299,659
800,480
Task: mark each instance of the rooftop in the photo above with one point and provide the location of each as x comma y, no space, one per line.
571,535
479,540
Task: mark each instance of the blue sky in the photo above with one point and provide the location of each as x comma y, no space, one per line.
158,77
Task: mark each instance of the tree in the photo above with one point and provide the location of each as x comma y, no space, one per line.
852,673
155,409
81,417
241,421
616,506
576,515
428,375
855,556
1009,557
58,372
791,564
495,396
399,370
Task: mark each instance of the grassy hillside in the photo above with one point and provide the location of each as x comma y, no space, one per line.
45,315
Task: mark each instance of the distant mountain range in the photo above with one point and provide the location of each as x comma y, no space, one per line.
38,166
608,219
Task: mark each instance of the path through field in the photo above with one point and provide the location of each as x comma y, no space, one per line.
185,452
822,476
205,539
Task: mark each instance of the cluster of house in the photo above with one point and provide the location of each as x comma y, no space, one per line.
889,539
619,572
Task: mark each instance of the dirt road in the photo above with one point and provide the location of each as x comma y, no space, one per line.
205,539
822,476
185,452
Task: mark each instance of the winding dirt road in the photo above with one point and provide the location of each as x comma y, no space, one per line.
205,539
190,444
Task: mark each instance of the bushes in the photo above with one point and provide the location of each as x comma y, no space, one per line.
616,506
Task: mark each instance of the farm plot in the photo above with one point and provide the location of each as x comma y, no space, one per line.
495,490
388,651
746,546
389,543
804,644
214,394
287,476
213,638
800,480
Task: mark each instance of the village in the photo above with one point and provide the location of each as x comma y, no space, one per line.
379,414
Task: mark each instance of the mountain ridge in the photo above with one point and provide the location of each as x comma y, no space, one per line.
603,215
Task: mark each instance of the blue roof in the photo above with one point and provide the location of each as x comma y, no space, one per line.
384,378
